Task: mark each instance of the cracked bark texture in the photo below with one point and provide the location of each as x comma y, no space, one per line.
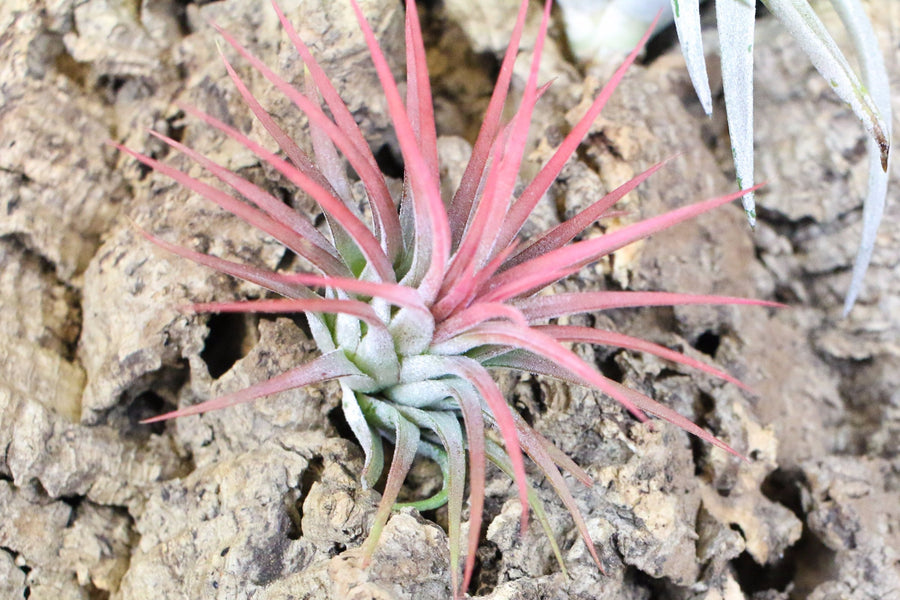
263,500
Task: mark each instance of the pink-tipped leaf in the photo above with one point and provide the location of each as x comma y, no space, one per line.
507,334
300,159
475,315
342,115
355,308
274,207
364,238
474,422
572,303
419,104
262,277
541,344
383,207
478,240
589,335
284,234
565,232
538,453
556,264
475,374
524,206
425,189
326,367
463,199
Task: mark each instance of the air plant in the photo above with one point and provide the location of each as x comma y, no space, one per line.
868,96
416,305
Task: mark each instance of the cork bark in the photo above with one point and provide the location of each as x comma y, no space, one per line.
263,500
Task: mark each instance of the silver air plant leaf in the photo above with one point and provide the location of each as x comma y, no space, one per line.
867,94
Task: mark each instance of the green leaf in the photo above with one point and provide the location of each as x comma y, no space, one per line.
366,435
406,443
497,456
446,426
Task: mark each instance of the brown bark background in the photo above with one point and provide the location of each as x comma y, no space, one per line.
263,500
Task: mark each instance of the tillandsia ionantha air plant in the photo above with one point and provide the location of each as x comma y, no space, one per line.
868,94
415,306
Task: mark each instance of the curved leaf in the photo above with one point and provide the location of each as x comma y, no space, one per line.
876,80
801,21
